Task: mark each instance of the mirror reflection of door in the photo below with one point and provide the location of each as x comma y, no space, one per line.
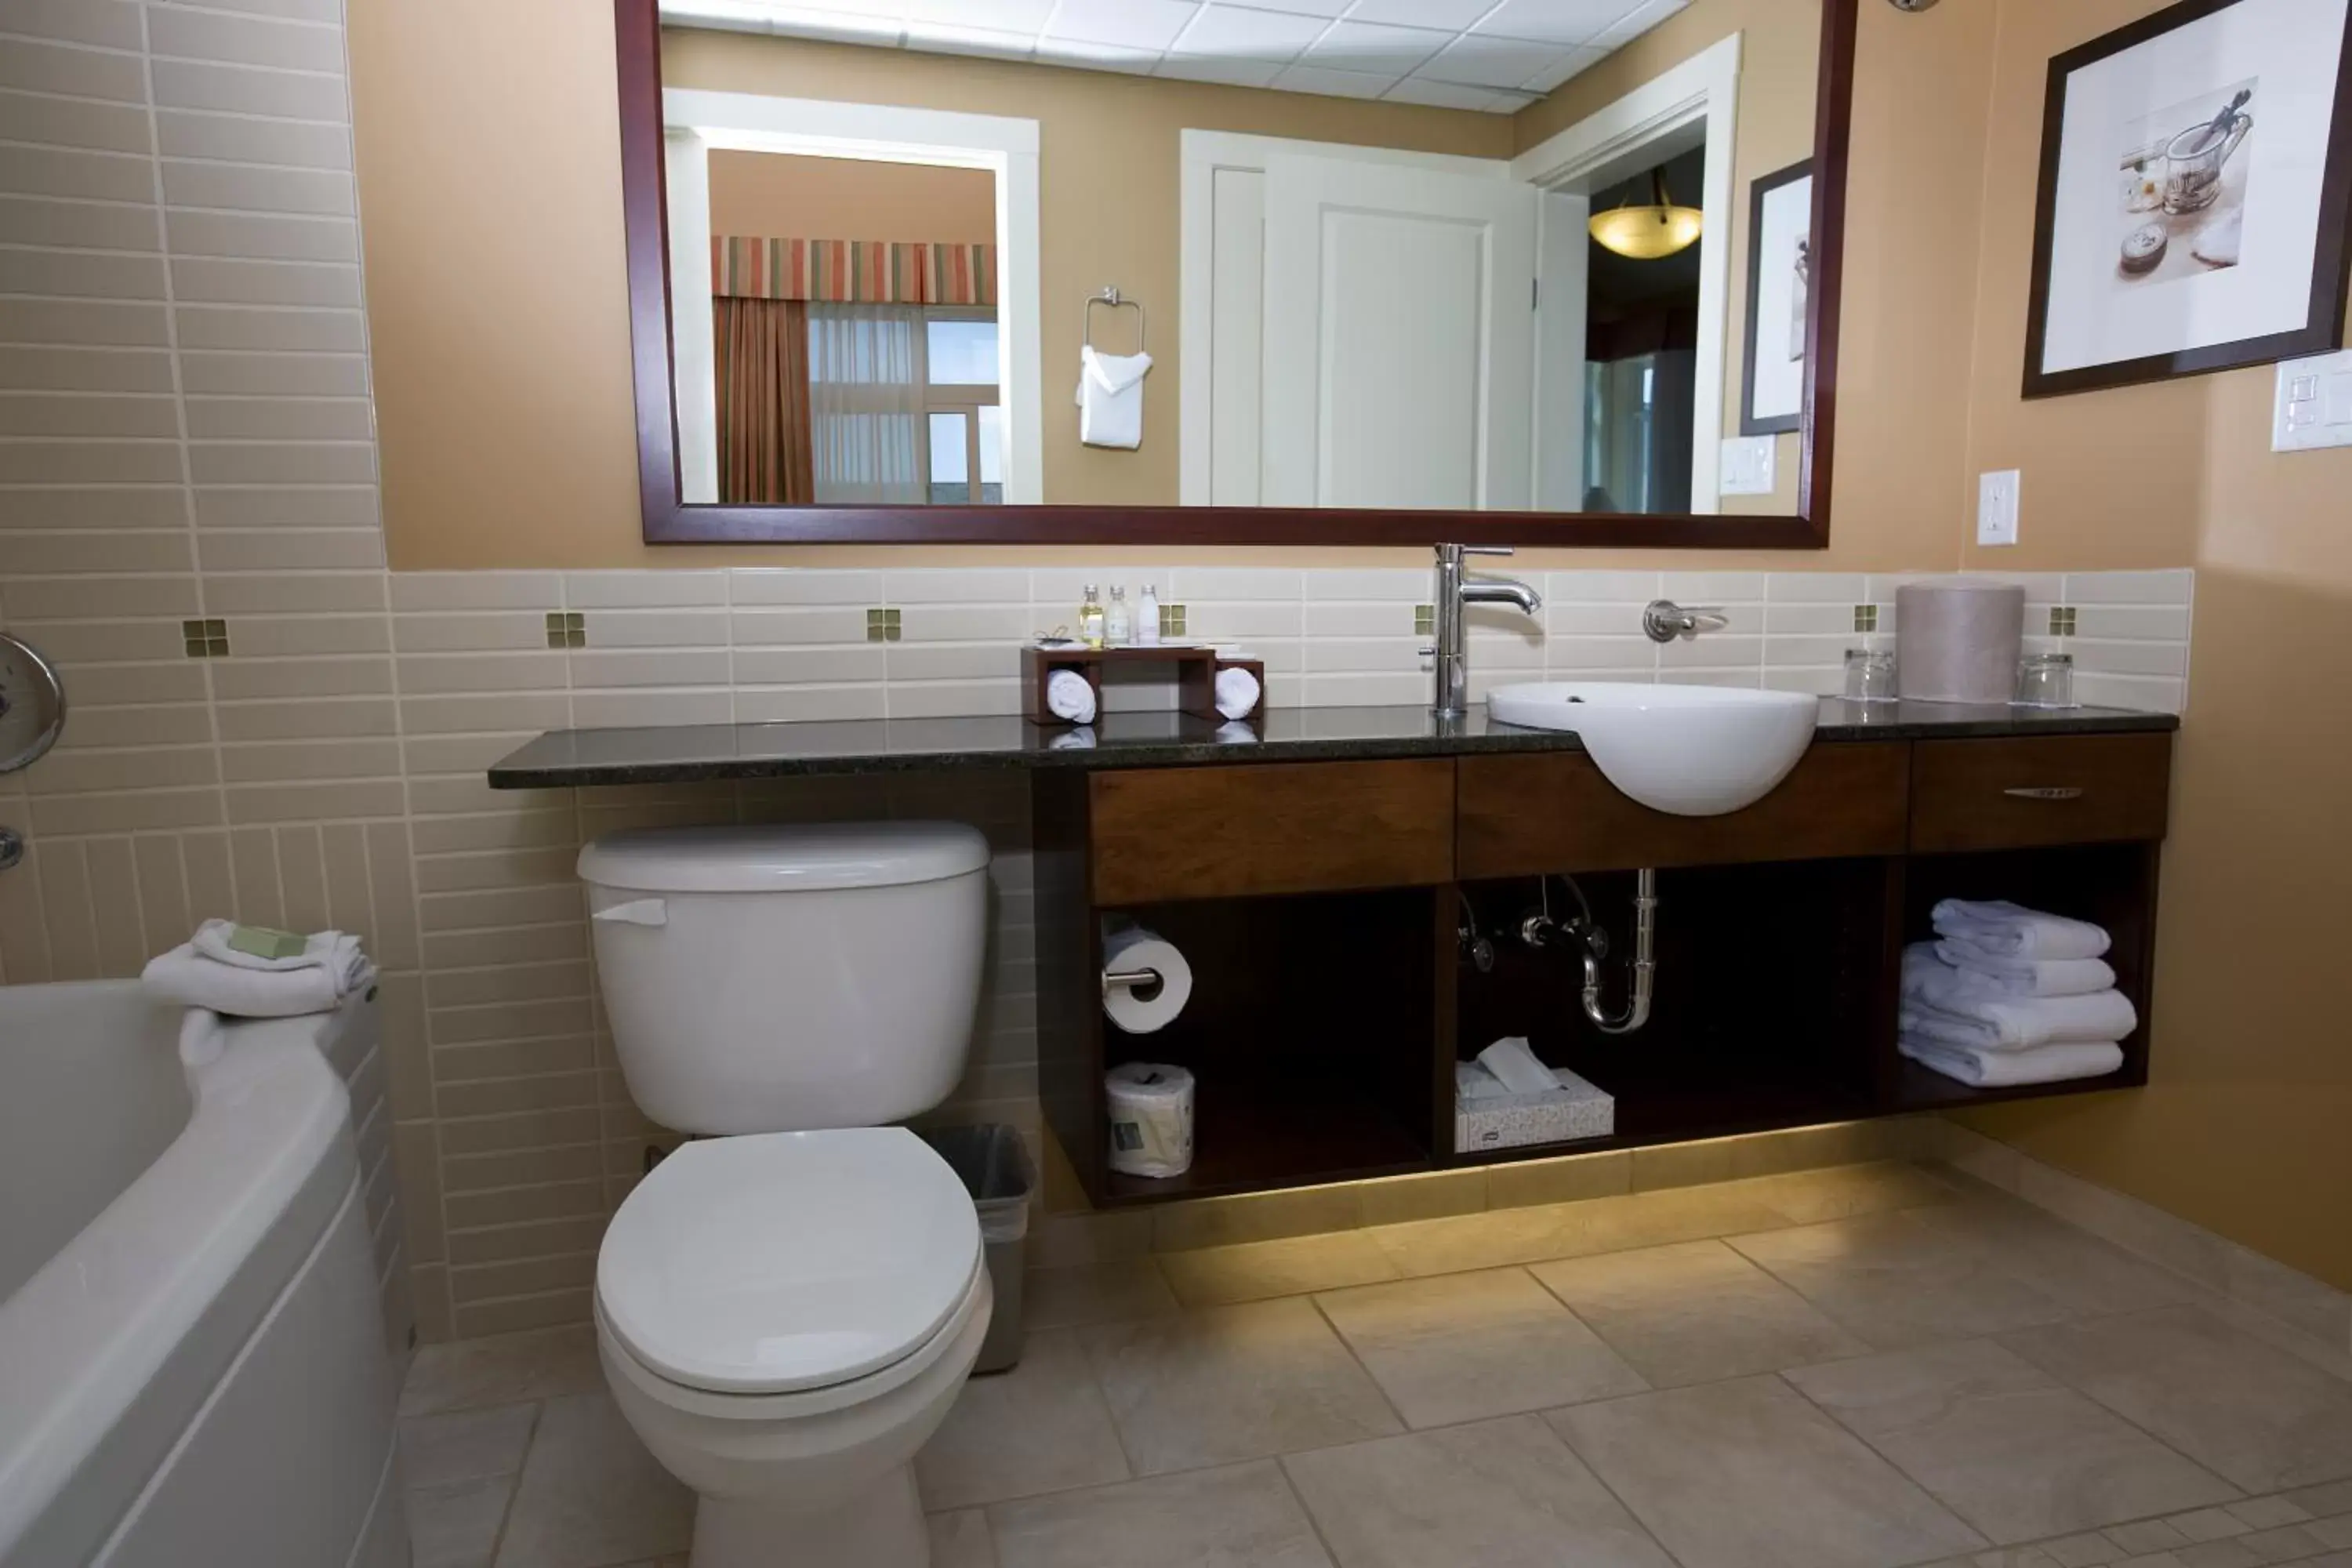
854,356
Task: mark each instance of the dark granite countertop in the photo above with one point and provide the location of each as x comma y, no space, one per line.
690,753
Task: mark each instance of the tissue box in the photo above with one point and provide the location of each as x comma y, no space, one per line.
1575,1109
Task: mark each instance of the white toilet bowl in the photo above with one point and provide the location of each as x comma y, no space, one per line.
784,1320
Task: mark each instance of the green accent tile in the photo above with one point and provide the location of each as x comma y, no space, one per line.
196,646
1424,619
1866,617
574,638
216,648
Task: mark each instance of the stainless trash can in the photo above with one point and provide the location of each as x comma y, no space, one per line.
995,1169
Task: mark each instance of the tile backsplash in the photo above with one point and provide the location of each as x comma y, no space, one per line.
268,724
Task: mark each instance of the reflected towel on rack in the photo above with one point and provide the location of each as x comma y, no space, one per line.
1111,398
1999,1069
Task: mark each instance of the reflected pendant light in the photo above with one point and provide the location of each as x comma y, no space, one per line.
1647,234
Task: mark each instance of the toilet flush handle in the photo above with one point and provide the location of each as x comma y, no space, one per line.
637,913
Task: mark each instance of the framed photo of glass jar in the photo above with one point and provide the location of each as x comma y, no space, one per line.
2196,185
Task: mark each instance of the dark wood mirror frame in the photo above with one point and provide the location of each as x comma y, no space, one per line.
669,521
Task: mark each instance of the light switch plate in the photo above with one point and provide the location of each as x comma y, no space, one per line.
1996,495
1748,463
2314,404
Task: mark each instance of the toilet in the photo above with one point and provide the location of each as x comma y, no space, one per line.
787,1307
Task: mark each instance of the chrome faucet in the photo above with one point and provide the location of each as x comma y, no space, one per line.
1664,620
1453,595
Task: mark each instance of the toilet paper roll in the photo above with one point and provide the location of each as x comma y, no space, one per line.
1132,947
1150,1118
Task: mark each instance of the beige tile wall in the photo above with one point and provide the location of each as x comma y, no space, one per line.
185,433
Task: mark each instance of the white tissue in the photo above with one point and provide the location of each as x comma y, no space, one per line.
1237,693
1517,1067
1070,696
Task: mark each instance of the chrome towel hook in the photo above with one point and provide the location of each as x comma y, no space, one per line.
1111,297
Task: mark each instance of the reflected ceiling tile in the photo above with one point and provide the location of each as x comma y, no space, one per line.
1373,47
1334,83
1451,15
993,15
1441,94
935,37
1137,24
1478,62
1638,23
1327,9
1224,73
1237,32
1556,21
839,26
727,15
1096,56
1573,64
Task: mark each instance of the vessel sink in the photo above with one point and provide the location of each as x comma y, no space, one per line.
1691,750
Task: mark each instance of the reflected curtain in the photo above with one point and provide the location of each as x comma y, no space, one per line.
762,350
866,383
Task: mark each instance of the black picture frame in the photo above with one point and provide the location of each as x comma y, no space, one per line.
2331,273
1761,188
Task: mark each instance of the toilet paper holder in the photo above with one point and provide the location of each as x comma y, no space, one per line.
1130,979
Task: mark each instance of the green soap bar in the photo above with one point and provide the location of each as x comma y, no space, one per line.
263,942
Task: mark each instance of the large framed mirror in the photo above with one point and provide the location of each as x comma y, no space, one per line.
1294,272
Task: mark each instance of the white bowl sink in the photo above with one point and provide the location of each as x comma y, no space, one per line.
1692,751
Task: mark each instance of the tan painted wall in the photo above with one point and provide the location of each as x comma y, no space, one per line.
2244,1126
781,196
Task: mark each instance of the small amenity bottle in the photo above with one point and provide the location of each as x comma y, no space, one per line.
1090,618
1120,627
1147,618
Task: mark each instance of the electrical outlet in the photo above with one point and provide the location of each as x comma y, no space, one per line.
1997,496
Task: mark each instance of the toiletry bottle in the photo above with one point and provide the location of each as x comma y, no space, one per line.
1120,627
1090,619
1146,619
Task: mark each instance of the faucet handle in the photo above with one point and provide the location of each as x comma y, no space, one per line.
1487,550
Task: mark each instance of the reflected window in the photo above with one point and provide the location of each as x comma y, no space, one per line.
962,397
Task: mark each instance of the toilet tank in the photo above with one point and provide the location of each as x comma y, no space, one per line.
778,979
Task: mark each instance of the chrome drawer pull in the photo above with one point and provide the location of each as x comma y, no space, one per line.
2046,791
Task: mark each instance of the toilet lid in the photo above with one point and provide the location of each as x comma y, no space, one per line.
788,1260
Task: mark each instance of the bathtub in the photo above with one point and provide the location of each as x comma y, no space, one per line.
193,1370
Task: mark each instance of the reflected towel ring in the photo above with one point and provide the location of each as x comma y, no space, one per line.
1116,302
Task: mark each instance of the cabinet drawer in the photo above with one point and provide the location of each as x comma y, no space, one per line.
1284,828
2022,794
1523,815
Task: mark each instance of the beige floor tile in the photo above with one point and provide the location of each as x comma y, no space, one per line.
1261,1270
2075,1268
1460,1347
1696,1312
1095,1293
504,1369
1897,1283
456,1526
1233,1382
1842,1192
1242,1517
2004,1446
1748,1475
960,1539
1497,1494
465,1444
591,1494
1504,1236
1040,1427
2252,1413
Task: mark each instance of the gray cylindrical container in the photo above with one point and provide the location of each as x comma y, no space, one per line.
996,1173
1957,639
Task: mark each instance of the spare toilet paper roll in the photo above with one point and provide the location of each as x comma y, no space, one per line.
1150,1118
1956,639
1140,1010
1068,695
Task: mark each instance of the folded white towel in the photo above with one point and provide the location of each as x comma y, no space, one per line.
313,981
1997,1069
2022,1023
2024,977
1111,398
1237,693
2013,931
1071,696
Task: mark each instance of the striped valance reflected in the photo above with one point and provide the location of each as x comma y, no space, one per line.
853,271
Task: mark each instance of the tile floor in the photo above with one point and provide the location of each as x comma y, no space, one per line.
1851,1368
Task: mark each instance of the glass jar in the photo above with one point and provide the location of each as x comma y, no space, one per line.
2045,680
1869,674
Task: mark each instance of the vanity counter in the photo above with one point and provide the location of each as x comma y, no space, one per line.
564,759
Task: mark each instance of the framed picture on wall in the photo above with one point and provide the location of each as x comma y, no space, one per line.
1780,255
2195,183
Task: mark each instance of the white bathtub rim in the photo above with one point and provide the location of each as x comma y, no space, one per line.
86,1338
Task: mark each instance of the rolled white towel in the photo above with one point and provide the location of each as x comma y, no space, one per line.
309,983
332,951
1237,693
2021,1024
2024,977
2013,931
2000,1069
1070,696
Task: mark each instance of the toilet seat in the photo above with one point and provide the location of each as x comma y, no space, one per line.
789,1263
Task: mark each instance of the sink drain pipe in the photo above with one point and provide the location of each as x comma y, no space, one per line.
1644,966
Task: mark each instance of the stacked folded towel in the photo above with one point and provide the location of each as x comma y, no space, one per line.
2011,995
208,970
